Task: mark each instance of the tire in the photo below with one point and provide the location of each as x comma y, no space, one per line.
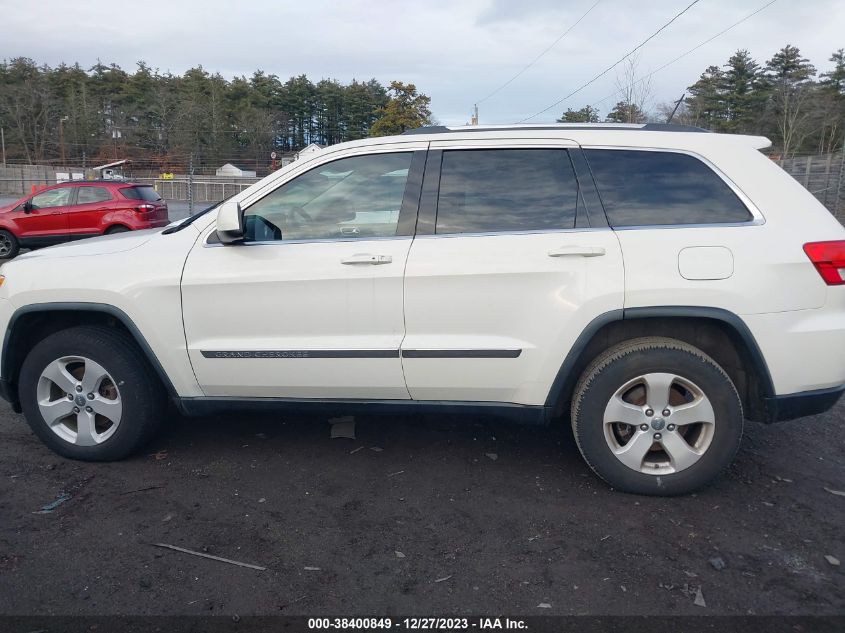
117,229
9,245
691,449
129,396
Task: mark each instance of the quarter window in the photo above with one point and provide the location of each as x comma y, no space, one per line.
642,188
356,197
87,195
502,190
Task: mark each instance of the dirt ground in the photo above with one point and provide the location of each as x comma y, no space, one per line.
416,516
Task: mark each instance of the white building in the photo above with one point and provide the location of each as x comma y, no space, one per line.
309,150
233,170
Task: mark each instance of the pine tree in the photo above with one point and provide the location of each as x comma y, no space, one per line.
742,96
406,109
587,114
705,102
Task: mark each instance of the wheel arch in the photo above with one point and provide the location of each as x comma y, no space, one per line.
32,323
719,333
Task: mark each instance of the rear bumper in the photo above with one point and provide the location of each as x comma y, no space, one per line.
799,405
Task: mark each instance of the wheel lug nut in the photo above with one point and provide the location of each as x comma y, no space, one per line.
643,427
657,436
79,387
666,413
90,396
76,409
649,412
89,409
670,427
70,396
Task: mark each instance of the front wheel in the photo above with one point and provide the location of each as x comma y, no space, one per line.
656,416
89,394
9,245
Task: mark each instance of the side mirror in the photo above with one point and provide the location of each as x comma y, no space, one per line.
230,223
27,206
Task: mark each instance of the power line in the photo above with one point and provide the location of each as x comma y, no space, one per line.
536,59
614,65
692,50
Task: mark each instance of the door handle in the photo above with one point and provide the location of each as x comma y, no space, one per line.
578,251
367,258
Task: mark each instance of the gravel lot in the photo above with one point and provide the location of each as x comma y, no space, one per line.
415,516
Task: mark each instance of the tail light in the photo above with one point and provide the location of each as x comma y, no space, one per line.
145,208
829,260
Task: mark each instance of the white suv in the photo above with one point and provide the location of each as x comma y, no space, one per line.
656,284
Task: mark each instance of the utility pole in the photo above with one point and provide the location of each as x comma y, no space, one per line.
3,144
191,185
677,105
62,138
474,120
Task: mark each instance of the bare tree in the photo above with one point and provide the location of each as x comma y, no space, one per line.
635,93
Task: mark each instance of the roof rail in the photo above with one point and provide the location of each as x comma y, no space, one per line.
642,127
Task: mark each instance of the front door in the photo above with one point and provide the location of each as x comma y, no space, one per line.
513,259
46,221
310,305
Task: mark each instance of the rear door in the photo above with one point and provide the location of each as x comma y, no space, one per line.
85,215
512,259
46,222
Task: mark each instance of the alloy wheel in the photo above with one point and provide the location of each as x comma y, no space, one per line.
79,400
659,423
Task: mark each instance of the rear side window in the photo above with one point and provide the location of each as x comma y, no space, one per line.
87,195
641,188
500,190
141,193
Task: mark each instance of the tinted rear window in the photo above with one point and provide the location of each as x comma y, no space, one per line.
642,188
500,190
141,193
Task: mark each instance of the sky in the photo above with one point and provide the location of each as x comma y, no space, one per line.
457,52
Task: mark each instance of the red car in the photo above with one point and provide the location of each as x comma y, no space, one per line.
75,210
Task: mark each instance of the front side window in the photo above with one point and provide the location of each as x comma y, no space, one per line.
641,188
52,198
506,190
88,195
356,197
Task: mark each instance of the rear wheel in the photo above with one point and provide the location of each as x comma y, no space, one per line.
9,246
89,394
656,416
